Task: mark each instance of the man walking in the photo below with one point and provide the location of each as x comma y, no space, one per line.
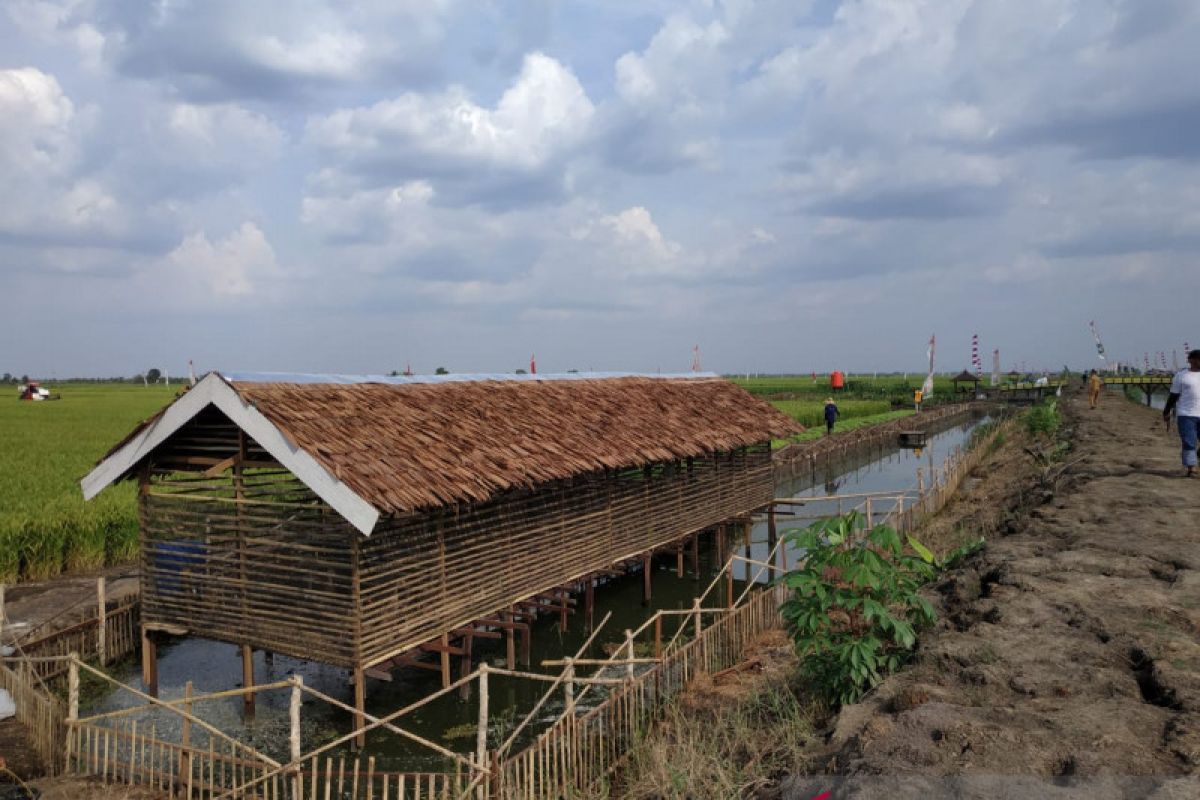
831,415
1185,399
1095,383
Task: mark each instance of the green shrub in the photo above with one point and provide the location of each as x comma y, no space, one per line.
1043,419
855,607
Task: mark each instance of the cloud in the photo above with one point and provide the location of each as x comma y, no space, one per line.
543,114
241,265
223,50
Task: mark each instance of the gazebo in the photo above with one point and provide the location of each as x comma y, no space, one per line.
965,382
353,520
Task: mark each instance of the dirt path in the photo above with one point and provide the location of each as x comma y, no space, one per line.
1067,662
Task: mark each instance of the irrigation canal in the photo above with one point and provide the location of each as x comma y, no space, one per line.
214,666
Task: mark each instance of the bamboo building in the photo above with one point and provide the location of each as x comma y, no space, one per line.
354,520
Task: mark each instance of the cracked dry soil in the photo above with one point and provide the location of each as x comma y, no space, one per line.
1067,659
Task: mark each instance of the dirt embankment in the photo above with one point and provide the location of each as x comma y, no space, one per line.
1067,659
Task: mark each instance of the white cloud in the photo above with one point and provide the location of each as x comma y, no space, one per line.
240,265
35,120
216,127
544,113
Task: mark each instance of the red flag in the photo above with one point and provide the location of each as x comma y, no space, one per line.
532,366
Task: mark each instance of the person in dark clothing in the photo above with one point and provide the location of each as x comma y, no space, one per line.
831,415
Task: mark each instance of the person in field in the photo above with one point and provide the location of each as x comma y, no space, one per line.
1184,400
831,415
1094,385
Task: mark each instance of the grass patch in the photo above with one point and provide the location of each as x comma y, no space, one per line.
726,748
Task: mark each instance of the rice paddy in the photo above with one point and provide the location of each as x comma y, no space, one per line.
45,448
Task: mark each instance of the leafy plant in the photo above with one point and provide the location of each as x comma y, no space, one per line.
1043,418
855,607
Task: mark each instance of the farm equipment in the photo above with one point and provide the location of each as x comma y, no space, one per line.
34,391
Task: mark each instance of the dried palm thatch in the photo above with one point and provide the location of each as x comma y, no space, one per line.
410,447
418,446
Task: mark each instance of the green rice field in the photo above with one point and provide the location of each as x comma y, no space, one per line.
45,448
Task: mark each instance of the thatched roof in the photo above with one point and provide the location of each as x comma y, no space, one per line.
966,377
409,445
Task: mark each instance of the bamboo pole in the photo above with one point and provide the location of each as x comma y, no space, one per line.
101,622
630,654
294,736
185,739
73,688
482,731
247,680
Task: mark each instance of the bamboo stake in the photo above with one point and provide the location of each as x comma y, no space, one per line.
73,688
481,733
294,735
185,739
101,622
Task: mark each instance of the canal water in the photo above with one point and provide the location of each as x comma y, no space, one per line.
451,720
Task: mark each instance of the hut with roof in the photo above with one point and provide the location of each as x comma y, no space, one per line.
966,382
350,520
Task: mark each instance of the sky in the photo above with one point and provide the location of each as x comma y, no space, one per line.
357,187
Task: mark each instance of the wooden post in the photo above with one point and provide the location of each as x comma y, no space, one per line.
149,663
294,737
481,733
569,686
920,482
510,641
589,601
679,560
772,538
729,584
720,550
870,518
445,660
629,653
247,681
73,688
185,741
696,555
101,621
647,565
658,636
696,616
360,704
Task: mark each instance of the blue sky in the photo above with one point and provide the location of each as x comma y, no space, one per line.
793,186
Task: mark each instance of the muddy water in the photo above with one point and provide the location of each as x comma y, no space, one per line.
213,666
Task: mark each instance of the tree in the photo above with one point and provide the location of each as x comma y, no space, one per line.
441,371
153,375
8,377
521,372
24,379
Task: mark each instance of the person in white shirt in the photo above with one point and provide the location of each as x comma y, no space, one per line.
1185,400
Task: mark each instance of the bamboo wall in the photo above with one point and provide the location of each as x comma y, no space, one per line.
461,566
253,557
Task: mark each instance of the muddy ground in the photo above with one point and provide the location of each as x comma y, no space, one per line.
1067,659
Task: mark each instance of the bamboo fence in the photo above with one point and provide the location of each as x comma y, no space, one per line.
38,711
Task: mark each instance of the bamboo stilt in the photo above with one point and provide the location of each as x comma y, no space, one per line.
247,681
